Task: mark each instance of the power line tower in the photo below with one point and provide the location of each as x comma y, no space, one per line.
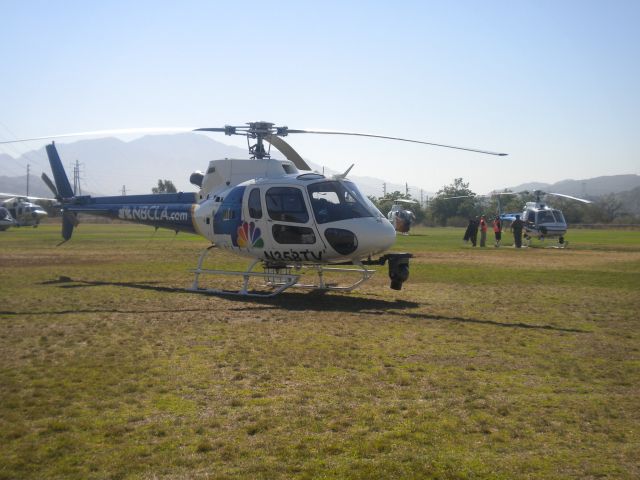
28,171
124,190
406,189
384,189
77,189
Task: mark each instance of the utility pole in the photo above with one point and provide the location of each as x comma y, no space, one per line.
28,170
124,190
422,198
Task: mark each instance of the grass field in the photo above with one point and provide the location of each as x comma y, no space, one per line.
490,363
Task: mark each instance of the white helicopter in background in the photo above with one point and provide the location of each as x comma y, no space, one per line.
24,210
6,220
542,221
400,216
277,213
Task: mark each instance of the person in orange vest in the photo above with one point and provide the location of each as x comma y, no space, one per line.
483,232
497,230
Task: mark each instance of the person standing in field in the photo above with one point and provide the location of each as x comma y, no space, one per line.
497,230
516,228
483,231
468,231
474,231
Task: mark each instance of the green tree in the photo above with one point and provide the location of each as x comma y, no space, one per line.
514,203
164,186
454,200
610,206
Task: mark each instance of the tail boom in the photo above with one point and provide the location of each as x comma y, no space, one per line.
172,210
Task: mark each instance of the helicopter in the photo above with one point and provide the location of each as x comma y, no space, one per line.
277,213
6,220
542,221
400,216
24,210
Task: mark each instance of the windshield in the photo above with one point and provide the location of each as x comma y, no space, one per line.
333,201
373,210
545,216
559,216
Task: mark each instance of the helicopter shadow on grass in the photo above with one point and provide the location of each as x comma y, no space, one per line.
377,307
295,301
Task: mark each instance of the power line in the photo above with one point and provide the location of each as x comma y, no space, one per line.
13,147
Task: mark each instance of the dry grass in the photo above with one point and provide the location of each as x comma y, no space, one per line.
490,363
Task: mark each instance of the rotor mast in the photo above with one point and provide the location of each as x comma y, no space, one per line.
258,131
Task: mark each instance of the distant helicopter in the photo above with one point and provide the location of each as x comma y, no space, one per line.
400,216
542,221
24,210
286,220
6,220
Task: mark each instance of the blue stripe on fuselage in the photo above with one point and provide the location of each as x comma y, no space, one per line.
174,216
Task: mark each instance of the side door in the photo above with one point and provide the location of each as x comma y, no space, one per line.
292,233
253,232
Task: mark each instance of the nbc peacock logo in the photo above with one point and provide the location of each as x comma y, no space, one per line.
249,236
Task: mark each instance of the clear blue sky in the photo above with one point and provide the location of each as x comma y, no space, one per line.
553,83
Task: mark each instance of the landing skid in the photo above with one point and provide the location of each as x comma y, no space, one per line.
277,279
561,243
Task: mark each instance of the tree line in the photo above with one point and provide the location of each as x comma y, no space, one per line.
443,210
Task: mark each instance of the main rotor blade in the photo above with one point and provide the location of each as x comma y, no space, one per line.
101,133
458,196
569,196
329,132
288,151
50,184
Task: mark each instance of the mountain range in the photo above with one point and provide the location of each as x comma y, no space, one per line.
588,188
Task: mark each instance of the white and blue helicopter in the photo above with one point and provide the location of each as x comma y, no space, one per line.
278,213
542,221
6,220
24,210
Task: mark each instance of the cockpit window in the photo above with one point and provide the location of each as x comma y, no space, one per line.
559,216
545,216
333,201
